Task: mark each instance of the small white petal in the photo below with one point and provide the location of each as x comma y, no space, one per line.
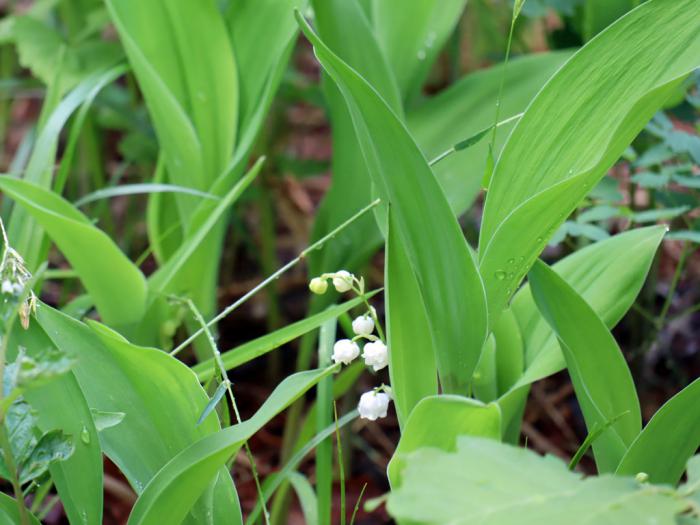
373,405
363,325
345,351
7,287
342,280
376,355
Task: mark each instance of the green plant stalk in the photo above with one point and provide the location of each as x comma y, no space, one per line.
674,284
341,467
324,450
357,504
224,378
226,311
268,262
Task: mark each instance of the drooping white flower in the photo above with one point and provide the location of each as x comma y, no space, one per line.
7,287
345,351
363,325
373,405
318,285
342,280
376,355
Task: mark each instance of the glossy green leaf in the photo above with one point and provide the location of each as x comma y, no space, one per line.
346,30
27,236
79,478
438,422
193,102
115,284
607,274
412,366
9,514
176,487
412,35
490,483
258,65
160,397
437,251
268,342
599,14
595,363
306,495
575,129
670,438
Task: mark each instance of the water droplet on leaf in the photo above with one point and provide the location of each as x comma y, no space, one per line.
85,436
500,275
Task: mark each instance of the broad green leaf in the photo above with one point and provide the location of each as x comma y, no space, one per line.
273,482
510,351
9,513
670,438
412,367
412,34
575,129
602,380
176,487
466,108
204,221
28,237
599,14
40,47
79,478
160,397
307,497
249,24
608,275
346,30
450,286
490,483
193,102
437,422
262,345
115,284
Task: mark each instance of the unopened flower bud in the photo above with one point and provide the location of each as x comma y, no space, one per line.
363,325
345,351
373,405
342,280
376,355
318,285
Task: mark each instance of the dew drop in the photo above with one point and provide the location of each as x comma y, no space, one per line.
421,54
511,275
500,275
511,261
539,239
521,259
85,436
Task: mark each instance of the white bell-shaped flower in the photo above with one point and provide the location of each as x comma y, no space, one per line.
7,287
318,285
363,325
345,351
342,280
376,355
373,405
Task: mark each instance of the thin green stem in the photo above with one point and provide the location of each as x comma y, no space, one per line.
226,311
357,504
224,378
324,415
12,468
341,468
674,284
